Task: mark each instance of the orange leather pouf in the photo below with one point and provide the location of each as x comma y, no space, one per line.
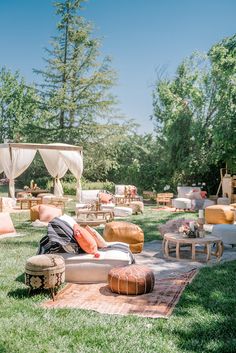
34,213
125,232
131,280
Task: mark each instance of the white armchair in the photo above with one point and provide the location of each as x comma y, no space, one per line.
186,197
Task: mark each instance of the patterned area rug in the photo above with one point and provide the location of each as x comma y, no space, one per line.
157,304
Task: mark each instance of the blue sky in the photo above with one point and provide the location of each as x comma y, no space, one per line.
141,36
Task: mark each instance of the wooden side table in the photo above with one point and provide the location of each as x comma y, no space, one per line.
93,218
172,242
27,203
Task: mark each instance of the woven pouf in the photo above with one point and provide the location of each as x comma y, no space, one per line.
131,280
125,232
45,272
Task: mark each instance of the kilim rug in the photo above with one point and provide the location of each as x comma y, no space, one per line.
98,297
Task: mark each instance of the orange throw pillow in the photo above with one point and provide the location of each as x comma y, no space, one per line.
6,225
105,198
85,239
47,213
101,242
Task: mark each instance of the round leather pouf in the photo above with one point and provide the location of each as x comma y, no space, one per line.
131,280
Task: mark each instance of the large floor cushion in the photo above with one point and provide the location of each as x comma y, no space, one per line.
6,225
131,280
85,268
225,232
107,207
182,203
122,211
125,232
219,214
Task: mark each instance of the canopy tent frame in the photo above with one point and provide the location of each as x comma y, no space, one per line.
60,148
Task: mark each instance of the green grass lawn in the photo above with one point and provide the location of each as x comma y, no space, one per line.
203,321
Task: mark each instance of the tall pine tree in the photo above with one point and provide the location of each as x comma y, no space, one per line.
75,86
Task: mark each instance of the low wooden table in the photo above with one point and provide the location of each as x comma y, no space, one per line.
94,218
172,242
27,203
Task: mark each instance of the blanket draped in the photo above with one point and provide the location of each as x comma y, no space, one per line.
60,239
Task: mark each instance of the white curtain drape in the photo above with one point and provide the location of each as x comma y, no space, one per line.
57,163
1,166
74,162
56,167
15,164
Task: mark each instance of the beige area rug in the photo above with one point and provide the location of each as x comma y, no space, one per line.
98,297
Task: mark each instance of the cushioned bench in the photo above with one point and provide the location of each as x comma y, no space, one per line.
85,268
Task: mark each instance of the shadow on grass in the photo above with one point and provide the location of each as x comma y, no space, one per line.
3,349
19,293
20,278
20,243
211,299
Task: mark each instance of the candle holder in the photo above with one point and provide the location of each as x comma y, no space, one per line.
201,222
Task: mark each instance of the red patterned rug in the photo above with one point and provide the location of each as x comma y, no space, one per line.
98,297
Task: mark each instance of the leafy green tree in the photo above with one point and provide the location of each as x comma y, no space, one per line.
184,110
223,63
195,115
18,107
76,86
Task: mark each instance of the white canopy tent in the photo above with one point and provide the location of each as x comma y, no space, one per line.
15,158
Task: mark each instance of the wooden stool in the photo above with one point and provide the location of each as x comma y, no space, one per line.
45,272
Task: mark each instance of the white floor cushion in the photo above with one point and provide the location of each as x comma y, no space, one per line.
182,203
85,268
122,211
225,232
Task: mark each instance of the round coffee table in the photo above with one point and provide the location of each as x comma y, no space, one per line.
173,242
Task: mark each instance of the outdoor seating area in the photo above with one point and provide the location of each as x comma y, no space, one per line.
99,255
117,176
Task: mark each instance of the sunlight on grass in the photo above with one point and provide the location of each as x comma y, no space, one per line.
203,321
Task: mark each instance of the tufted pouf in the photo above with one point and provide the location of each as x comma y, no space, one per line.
131,280
125,232
137,206
219,214
45,272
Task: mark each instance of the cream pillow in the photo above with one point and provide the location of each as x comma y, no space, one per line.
47,213
101,242
68,219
